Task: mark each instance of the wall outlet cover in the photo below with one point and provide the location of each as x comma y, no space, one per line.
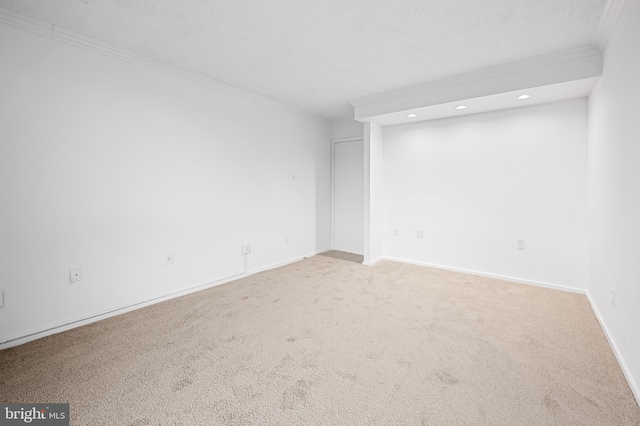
613,297
75,274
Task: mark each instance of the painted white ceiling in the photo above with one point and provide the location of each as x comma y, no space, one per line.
317,55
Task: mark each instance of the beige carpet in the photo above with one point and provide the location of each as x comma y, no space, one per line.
326,341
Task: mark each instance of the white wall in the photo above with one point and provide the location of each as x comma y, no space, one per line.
343,128
475,184
109,166
373,193
614,192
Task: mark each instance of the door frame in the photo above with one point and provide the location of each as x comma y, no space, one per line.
334,142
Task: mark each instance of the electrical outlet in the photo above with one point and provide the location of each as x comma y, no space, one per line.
246,248
613,297
75,274
1,298
419,233
395,232
168,260
520,243
286,241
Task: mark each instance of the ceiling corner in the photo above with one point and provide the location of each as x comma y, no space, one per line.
607,23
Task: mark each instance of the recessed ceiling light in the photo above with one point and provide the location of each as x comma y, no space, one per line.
523,97
461,107
412,115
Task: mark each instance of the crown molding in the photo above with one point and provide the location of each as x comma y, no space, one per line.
63,35
75,39
607,23
25,23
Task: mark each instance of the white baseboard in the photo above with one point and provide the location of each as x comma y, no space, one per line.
88,319
373,262
488,275
279,264
635,389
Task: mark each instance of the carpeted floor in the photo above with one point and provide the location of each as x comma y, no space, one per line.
327,341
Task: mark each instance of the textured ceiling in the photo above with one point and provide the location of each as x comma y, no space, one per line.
317,55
